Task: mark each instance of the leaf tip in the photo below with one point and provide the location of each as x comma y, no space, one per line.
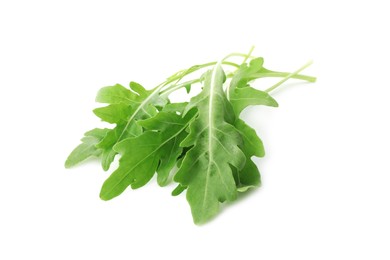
104,196
271,101
162,182
105,166
199,220
178,190
68,164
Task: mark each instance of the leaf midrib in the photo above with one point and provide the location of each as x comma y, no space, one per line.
211,127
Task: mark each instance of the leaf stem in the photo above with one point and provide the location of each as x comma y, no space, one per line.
182,73
249,54
237,54
178,76
173,88
243,62
293,75
272,74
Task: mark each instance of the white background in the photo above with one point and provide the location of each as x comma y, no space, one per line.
326,175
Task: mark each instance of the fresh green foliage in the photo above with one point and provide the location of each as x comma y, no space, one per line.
124,109
87,148
202,145
157,148
205,169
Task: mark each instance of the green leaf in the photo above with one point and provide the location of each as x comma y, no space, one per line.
177,108
125,108
205,169
178,190
249,175
246,96
169,115
241,94
141,156
203,144
188,88
114,113
251,141
245,74
87,148
116,94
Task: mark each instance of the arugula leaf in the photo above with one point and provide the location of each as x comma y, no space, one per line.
245,74
114,113
87,148
256,70
203,144
242,96
205,169
249,175
178,190
124,109
245,96
155,149
116,94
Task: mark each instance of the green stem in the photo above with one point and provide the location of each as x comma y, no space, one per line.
243,62
249,54
178,76
181,74
173,88
293,75
284,74
236,54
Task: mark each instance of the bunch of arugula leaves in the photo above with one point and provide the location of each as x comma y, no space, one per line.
202,145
